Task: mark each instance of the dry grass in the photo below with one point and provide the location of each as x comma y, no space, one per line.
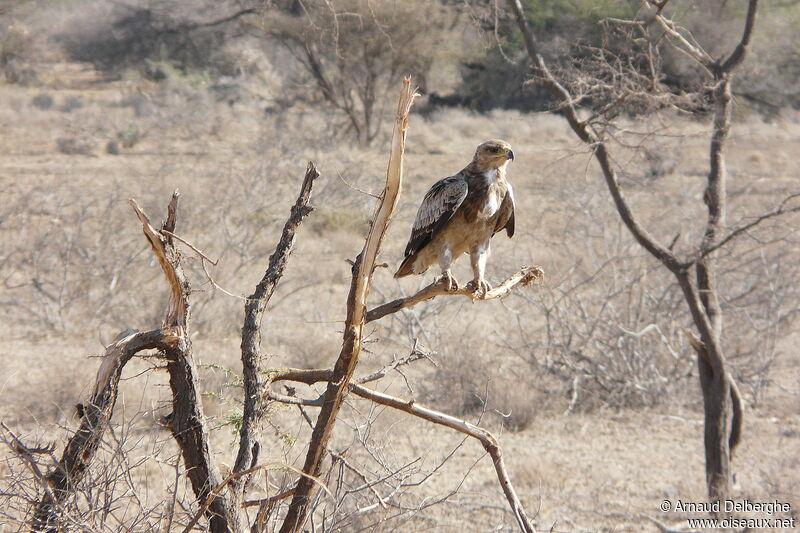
75,271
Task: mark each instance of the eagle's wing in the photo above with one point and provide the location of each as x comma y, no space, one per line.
438,207
505,220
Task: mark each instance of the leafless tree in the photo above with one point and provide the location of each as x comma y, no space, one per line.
356,51
696,271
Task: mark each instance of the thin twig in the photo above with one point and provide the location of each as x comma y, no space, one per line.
194,248
758,220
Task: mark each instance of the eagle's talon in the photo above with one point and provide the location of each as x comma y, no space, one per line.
449,282
479,287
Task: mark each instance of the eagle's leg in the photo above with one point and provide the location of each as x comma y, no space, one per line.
478,257
445,258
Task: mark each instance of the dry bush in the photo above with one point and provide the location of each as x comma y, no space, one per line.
152,35
42,101
353,52
16,52
75,145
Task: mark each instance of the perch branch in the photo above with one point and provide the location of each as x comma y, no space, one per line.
523,277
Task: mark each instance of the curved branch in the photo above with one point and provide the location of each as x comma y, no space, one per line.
522,277
489,442
94,417
739,53
567,109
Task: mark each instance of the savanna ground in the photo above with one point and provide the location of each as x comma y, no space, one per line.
585,455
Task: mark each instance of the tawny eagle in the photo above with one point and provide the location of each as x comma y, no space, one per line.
460,214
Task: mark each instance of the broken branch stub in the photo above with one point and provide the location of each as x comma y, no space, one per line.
188,420
356,310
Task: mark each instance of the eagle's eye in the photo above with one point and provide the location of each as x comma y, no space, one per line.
494,149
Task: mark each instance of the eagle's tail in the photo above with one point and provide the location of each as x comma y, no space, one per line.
406,267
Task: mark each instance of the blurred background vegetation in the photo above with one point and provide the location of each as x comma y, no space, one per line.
346,54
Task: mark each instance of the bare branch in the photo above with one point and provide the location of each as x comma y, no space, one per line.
411,407
581,129
194,248
255,305
272,499
356,311
176,314
739,53
488,441
236,475
684,45
523,277
750,225
416,354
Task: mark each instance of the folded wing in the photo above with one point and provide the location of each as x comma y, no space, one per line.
438,207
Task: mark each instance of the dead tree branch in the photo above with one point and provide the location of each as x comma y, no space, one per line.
356,311
83,445
188,422
411,407
255,305
522,277
489,442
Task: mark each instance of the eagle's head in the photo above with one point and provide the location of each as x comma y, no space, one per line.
493,154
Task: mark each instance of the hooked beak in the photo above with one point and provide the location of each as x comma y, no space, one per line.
510,155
